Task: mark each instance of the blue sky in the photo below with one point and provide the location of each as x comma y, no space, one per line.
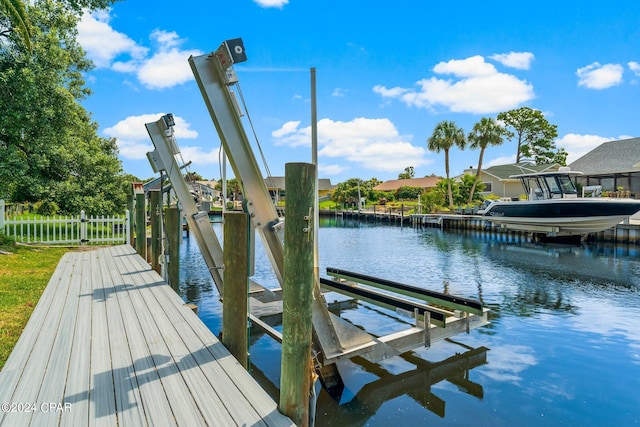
387,73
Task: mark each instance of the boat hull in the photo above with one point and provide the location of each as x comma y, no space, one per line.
562,216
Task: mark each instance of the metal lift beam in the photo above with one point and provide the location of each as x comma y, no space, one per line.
163,158
215,76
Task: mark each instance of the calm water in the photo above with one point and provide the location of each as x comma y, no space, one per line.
562,349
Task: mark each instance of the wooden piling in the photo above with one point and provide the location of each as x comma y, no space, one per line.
295,381
235,287
173,230
155,217
141,225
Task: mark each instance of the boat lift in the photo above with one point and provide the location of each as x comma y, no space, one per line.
334,337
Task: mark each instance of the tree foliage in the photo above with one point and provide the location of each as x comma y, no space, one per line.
468,189
408,193
347,191
49,147
408,173
534,133
446,135
484,133
15,20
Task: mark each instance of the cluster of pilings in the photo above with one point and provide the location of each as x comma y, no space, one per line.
157,232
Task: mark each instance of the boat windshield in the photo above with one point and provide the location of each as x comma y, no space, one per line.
540,187
566,185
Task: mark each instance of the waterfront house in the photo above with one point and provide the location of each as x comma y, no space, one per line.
496,178
612,165
277,190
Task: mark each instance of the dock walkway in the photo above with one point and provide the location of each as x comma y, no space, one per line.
110,343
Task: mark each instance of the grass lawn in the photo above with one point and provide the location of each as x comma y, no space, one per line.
23,276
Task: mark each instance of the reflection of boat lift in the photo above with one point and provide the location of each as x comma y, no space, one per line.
415,383
334,338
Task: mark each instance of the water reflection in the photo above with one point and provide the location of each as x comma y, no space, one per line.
416,383
564,337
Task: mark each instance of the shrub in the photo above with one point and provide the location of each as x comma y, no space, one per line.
46,208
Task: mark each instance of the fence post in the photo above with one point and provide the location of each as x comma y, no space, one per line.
2,216
127,226
295,379
83,228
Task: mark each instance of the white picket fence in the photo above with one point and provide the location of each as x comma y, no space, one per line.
69,230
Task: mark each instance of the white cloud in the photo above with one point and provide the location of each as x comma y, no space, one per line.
504,160
287,128
635,67
339,92
166,67
133,138
199,156
394,92
373,144
597,76
578,145
94,30
518,60
331,169
474,66
478,89
271,3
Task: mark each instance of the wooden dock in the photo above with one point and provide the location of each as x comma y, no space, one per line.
110,343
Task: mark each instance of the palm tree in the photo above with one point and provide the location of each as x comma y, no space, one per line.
486,132
446,135
16,12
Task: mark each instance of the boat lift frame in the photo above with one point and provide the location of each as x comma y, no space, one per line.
334,337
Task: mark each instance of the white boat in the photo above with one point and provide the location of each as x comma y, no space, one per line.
553,207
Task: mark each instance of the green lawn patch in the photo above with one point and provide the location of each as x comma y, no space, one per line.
23,276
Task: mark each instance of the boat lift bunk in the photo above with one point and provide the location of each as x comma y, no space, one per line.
334,337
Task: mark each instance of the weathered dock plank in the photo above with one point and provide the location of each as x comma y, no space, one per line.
110,343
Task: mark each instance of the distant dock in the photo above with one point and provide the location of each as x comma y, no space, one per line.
110,343
622,233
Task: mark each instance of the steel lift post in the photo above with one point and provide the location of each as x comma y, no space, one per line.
163,159
216,77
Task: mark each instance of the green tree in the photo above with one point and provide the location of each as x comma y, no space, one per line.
560,157
49,147
347,192
467,184
193,176
535,134
13,18
233,188
442,189
408,173
408,193
446,135
484,133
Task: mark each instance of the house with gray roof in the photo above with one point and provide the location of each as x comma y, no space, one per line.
612,164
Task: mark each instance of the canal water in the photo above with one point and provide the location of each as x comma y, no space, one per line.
562,348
